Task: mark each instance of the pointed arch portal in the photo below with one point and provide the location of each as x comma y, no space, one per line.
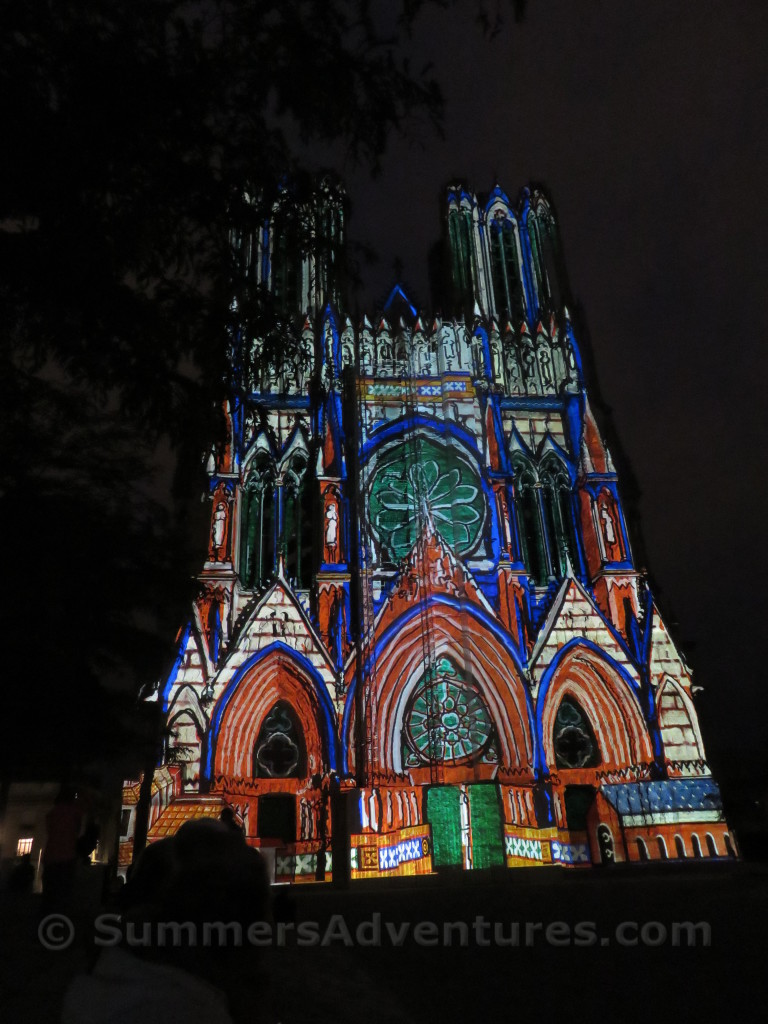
465,637
276,677
584,676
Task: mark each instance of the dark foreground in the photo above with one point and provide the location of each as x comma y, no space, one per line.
524,946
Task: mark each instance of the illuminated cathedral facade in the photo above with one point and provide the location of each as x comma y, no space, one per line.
419,602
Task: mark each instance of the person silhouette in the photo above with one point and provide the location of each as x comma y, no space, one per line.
184,953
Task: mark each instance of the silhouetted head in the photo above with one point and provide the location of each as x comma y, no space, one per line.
227,816
204,874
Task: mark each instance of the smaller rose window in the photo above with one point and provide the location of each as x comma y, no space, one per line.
446,720
278,751
574,741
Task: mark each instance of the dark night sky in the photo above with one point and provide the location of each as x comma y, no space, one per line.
646,122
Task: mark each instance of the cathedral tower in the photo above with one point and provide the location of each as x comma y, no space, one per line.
419,601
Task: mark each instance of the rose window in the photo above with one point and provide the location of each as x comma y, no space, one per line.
446,720
422,478
574,741
278,751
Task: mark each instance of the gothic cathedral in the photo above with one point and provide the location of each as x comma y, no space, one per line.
420,641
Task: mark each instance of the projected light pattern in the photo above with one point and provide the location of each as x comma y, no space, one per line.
419,618
447,719
421,479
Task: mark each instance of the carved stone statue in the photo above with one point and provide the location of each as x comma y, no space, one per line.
219,528
332,531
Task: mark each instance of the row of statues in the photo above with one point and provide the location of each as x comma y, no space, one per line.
516,362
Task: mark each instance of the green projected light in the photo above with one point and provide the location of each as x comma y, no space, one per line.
419,478
447,720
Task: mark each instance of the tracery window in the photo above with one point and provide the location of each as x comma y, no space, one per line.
424,476
556,495
542,235
286,261
529,520
460,232
544,517
279,751
257,525
297,522
573,739
505,268
446,720
328,240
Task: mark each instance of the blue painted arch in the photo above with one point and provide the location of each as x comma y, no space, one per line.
327,720
634,687
505,641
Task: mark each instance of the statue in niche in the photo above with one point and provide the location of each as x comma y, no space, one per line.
366,354
347,351
504,518
383,357
332,531
498,369
528,362
306,359
219,529
513,373
573,370
608,529
421,356
401,355
270,377
449,348
289,369
545,363
606,512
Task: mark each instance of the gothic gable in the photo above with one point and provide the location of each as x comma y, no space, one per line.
574,614
277,617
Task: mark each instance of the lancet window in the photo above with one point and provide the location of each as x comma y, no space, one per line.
463,253
544,517
257,524
297,521
542,235
327,244
505,268
286,261
556,495
529,519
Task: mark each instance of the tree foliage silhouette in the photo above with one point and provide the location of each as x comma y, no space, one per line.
129,131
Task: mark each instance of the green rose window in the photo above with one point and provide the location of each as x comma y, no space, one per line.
422,477
446,720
